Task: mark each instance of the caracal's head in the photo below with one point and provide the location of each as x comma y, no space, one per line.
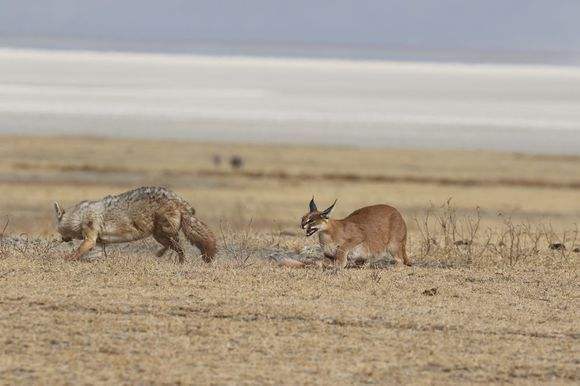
315,220
63,223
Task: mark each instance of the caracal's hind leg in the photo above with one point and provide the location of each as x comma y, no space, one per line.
399,252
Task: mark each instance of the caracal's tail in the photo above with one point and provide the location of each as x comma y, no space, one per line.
199,235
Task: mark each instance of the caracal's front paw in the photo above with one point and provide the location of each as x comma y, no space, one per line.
339,265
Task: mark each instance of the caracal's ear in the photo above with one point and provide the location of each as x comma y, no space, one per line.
312,206
58,211
327,211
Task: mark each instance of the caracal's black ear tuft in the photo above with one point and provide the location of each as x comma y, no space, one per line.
327,211
58,211
312,205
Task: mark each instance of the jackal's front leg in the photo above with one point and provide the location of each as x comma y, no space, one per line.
90,237
85,247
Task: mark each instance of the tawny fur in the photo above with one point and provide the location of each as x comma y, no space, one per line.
367,233
135,215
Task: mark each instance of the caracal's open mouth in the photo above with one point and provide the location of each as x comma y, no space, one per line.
310,231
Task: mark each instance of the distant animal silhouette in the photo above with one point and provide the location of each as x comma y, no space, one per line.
236,162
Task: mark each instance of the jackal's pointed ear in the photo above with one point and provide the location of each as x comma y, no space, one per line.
312,205
327,211
58,211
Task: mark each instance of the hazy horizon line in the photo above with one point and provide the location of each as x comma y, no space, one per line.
294,50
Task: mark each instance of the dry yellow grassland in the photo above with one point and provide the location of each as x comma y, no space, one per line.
501,309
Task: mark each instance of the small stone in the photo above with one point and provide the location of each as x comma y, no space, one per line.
430,292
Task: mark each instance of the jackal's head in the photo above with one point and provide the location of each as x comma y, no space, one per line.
315,220
62,223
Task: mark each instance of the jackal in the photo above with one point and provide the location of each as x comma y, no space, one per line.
135,215
369,232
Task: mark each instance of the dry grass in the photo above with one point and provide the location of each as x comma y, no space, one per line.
130,318
450,237
488,300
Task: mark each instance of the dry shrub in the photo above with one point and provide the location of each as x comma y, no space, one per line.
515,242
3,238
26,247
446,236
240,246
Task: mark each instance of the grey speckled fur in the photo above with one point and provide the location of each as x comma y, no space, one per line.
134,215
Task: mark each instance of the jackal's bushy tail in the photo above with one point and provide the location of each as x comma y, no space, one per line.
199,235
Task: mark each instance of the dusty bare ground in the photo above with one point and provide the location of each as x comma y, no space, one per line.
488,299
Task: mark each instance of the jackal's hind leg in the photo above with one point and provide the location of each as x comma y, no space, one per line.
161,251
169,242
176,246
166,232
164,242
